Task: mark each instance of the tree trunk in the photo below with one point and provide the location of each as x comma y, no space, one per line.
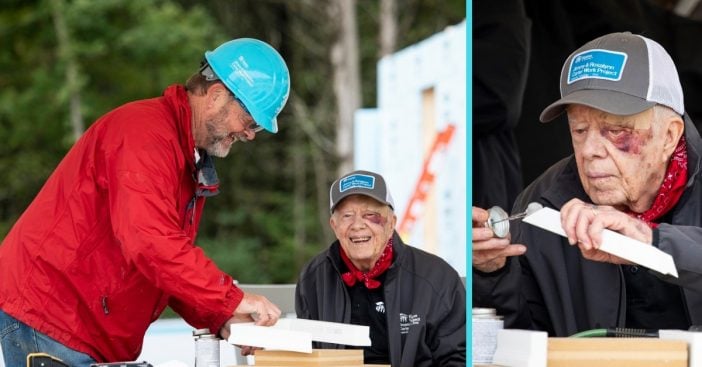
299,198
319,151
345,61
67,56
388,27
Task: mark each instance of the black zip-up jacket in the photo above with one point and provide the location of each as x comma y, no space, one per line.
553,288
421,288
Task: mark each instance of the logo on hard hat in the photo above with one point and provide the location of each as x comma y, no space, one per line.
240,67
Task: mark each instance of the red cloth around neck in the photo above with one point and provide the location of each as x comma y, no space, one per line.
671,189
368,278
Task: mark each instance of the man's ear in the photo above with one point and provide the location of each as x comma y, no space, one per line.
215,93
674,130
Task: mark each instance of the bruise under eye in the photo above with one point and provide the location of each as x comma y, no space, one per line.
628,140
375,218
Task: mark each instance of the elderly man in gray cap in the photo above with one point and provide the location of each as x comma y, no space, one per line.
635,170
413,302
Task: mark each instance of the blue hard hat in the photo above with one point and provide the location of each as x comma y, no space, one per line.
256,74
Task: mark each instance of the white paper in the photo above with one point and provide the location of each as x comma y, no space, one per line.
329,332
612,242
270,337
297,334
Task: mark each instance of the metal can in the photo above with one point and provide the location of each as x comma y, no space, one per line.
486,324
206,348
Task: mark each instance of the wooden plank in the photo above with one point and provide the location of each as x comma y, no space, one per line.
318,357
616,352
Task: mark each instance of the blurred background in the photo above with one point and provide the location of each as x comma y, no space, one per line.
64,63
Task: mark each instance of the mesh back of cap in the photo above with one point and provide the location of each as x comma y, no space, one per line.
664,87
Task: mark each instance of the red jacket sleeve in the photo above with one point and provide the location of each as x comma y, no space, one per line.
145,170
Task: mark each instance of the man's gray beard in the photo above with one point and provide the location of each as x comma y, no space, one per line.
217,148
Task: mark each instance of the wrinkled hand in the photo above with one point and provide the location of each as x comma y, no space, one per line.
246,350
258,309
253,307
224,333
489,252
583,224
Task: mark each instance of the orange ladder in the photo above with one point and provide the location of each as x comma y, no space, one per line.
425,182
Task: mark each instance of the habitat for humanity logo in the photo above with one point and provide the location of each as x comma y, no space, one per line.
380,307
408,320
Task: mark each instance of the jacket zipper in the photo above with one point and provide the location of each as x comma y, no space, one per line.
621,313
191,207
685,306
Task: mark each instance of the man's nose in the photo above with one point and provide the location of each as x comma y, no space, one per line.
249,134
593,146
358,222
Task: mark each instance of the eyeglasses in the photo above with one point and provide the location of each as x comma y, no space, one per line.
253,126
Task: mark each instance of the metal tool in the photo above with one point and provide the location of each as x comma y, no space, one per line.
498,219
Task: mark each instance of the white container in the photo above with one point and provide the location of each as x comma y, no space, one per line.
206,348
486,323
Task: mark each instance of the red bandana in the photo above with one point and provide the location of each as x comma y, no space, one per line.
368,278
671,189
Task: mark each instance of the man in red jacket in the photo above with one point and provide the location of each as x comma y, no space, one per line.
108,242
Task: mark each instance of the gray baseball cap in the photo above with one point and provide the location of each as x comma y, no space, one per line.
619,73
360,183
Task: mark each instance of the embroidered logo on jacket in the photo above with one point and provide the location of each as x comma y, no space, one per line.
408,320
380,307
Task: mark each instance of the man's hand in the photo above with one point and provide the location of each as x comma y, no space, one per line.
224,332
253,307
489,252
583,224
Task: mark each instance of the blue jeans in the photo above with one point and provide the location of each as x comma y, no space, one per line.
19,339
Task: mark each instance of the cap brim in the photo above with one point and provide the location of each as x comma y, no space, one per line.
613,102
345,195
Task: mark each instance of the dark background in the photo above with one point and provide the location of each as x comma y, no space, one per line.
555,29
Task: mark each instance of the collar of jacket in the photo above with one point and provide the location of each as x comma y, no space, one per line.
694,142
176,98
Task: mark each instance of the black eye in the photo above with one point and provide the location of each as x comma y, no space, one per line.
615,132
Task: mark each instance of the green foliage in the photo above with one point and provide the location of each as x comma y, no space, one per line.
271,216
134,49
124,52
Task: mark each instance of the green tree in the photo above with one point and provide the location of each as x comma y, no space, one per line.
272,213
125,50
